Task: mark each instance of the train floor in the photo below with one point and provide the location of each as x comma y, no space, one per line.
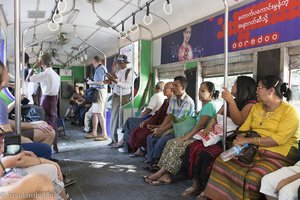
103,173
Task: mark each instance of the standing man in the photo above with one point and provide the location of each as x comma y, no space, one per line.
28,88
122,83
98,108
50,84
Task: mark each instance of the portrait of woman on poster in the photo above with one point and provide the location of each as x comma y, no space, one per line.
185,51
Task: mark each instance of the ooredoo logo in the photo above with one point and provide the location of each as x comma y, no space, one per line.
255,41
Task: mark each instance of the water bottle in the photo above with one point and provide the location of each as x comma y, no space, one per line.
232,152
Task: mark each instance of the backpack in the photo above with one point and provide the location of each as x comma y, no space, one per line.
136,82
32,113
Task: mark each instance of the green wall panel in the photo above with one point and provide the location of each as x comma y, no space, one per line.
191,65
77,74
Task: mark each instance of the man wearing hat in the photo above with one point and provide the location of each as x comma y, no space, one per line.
122,84
50,84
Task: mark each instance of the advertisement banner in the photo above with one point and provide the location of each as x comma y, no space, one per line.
261,23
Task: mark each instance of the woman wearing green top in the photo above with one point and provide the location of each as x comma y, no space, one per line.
170,160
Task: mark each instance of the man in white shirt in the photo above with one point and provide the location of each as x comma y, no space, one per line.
122,83
50,84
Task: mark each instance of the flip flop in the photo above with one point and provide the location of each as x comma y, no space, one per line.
148,180
117,145
190,193
201,197
90,136
101,138
159,182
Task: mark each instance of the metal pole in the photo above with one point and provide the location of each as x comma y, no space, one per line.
225,71
17,64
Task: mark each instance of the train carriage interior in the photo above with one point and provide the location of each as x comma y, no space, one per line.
214,41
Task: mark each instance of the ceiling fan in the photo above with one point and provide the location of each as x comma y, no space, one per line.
63,38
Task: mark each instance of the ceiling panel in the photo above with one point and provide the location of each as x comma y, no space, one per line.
106,39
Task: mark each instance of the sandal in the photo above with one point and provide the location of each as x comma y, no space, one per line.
190,192
160,182
117,145
90,136
147,179
101,138
202,197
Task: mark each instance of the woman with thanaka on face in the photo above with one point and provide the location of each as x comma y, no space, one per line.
170,161
198,159
277,123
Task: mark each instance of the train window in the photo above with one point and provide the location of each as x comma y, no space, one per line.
167,80
219,83
295,87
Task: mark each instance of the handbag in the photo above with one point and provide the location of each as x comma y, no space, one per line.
247,153
91,95
183,125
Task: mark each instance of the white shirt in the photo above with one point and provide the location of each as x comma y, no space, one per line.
156,101
124,84
29,89
50,81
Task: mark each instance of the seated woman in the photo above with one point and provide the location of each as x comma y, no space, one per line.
282,184
198,159
170,160
277,123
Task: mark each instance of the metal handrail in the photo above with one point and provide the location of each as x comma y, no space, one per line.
225,71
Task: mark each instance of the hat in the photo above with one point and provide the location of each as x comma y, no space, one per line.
47,59
121,59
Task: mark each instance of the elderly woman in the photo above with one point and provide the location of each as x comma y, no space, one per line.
277,123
